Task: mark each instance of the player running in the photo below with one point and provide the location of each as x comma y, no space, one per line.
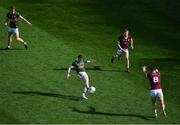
12,19
156,92
123,42
79,66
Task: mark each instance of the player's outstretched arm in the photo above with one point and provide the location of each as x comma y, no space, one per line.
69,71
25,20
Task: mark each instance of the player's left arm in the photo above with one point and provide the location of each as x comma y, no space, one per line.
132,43
25,20
69,71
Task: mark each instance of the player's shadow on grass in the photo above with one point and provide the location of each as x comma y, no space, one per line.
92,110
95,68
12,49
34,93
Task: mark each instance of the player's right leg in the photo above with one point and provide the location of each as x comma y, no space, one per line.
154,106
153,94
20,39
10,36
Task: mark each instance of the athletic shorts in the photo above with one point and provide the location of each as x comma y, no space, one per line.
13,30
156,93
82,75
119,52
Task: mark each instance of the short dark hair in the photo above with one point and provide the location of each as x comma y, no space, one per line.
12,7
80,56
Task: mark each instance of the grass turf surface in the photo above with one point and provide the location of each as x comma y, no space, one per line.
33,85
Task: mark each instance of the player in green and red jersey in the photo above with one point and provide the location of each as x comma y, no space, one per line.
12,19
79,66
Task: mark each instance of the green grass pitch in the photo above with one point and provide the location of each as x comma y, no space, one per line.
33,88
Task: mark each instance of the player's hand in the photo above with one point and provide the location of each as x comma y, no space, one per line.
68,76
157,70
93,61
5,23
30,24
144,68
123,50
132,47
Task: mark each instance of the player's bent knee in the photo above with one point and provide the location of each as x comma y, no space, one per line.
85,78
17,39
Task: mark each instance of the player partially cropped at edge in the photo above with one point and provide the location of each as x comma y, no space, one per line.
155,91
12,19
79,66
123,42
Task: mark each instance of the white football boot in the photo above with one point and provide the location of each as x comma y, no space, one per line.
83,96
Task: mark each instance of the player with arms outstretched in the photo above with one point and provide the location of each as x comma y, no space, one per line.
12,19
123,42
79,66
155,91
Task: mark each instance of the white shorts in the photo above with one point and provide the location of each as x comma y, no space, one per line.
156,93
119,52
82,75
13,30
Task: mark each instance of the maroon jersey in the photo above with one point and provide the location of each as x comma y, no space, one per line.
154,79
123,41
